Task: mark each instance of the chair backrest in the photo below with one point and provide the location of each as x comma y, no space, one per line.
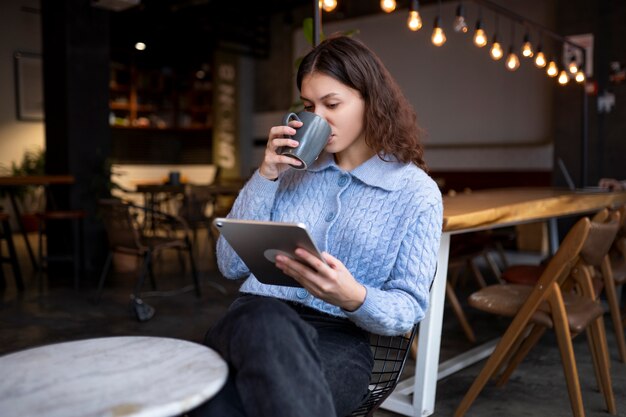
121,228
390,355
604,228
196,200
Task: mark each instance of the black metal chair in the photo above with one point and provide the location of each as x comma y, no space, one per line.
6,234
390,355
125,236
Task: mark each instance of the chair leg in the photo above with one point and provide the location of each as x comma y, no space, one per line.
492,265
150,270
40,260
508,340
602,361
525,347
194,271
146,267
594,357
478,276
616,317
103,275
17,274
77,245
564,339
459,313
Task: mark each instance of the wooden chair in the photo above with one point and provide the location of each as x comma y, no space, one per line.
544,305
126,236
614,276
608,274
587,282
390,355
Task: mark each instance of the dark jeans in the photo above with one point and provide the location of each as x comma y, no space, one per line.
288,360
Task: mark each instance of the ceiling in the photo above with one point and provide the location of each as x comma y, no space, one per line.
178,31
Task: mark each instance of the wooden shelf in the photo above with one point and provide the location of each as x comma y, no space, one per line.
156,99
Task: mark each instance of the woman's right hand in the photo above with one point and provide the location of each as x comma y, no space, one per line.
273,163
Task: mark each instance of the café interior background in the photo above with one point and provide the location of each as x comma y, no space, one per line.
477,115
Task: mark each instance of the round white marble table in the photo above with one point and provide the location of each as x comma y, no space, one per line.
112,376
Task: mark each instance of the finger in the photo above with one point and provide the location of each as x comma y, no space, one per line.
273,144
281,132
313,261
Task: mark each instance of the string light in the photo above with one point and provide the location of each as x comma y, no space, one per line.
552,70
512,61
415,21
580,77
527,47
439,37
460,24
573,66
496,49
388,6
329,5
540,58
480,37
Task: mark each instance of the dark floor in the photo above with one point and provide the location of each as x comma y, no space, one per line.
61,314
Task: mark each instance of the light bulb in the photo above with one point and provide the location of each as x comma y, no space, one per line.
580,77
388,6
572,67
415,21
329,5
552,70
496,50
439,37
540,59
140,46
480,37
563,77
512,61
527,47
460,25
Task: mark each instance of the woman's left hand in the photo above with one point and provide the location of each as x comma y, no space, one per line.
330,281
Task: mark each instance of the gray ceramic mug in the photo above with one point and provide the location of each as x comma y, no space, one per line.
312,136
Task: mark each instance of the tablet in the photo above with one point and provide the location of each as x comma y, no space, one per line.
258,242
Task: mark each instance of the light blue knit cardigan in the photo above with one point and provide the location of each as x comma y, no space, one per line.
382,220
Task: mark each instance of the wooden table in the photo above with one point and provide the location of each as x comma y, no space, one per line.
480,210
112,376
10,184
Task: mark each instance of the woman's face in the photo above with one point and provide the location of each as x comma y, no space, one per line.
341,106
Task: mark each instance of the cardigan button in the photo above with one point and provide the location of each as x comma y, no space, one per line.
330,216
343,180
302,293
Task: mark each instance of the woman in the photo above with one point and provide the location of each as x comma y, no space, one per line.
374,213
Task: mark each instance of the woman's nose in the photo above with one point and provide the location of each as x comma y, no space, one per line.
320,113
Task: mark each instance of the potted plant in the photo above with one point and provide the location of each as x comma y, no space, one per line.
29,198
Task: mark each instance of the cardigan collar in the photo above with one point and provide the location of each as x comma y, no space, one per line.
389,175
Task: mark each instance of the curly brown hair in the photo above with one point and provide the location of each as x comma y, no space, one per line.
390,122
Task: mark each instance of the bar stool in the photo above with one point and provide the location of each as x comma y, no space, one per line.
5,234
75,217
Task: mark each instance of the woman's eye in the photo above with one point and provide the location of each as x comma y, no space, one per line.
309,108
332,106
